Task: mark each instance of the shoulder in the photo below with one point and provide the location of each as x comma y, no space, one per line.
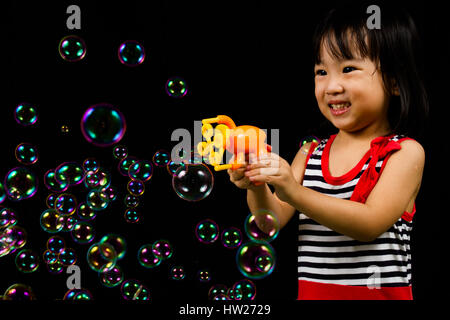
411,149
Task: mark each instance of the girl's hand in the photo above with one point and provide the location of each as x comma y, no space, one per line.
238,177
274,170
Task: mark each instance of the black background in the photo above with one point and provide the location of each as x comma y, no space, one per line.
246,59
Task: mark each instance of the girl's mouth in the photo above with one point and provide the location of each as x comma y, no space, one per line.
339,108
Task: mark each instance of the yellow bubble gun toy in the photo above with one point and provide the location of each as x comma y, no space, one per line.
238,140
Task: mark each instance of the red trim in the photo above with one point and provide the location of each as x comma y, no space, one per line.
408,216
308,290
345,177
310,151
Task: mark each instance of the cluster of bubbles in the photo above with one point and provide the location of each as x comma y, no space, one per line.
58,255
130,53
244,289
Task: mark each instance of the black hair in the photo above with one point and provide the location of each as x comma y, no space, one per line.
395,47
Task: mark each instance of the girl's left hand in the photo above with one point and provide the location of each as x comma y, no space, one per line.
274,170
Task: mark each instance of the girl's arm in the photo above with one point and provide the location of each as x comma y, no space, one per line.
396,188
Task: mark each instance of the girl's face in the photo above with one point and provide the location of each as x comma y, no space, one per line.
351,94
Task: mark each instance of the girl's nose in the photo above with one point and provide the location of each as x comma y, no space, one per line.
334,86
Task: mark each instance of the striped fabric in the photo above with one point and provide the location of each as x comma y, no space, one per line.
327,257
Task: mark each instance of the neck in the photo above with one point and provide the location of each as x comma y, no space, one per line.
365,135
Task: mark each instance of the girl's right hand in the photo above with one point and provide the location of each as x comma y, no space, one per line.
238,177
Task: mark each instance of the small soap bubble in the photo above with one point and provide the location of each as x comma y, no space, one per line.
96,200
141,170
7,218
262,225
162,249
72,48
136,187
176,87
26,153
103,125
82,232
55,267
15,236
306,143
146,258
234,294
27,261
207,231
20,183
101,257
69,223
65,129
49,256
131,53
111,278
132,215
231,238
217,291
51,221
70,173
120,152
90,165
204,275
173,166
56,244
65,204
117,242
193,182
54,184
255,260
78,294
85,212
2,192
25,114
161,158
67,256
247,288
124,165
131,201
134,290
19,292
177,273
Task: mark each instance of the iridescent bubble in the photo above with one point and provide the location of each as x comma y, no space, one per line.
26,153
64,128
85,212
7,218
117,242
136,187
120,152
217,291
262,225
67,256
131,53
19,292
306,142
20,184
103,125
50,200
247,288
207,231
176,87
71,173
162,249
131,201
72,48
132,215
146,258
27,261
78,294
111,278
109,193
101,257
49,256
25,114
193,182
134,290
141,170
15,236
248,259
69,223
2,192
204,275
56,244
96,200
55,267
161,158
51,221
54,184
90,165
91,180
83,232
124,165
104,178
231,238
65,204
173,166
177,273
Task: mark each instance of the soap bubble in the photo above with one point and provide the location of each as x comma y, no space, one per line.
161,158
103,125
124,165
72,48
117,242
78,294
207,231
51,221
162,249
82,232
120,152
193,182
19,292
26,153
90,165
25,114
217,291
56,244
101,257
262,225
132,215
247,288
27,261
96,200
146,258
134,290
176,87
67,256
141,170
14,237
2,193
177,273
131,201
7,218
204,275
305,143
131,53
111,278
255,260
20,184
65,204
70,173
136,187
85,212
231,238
52,183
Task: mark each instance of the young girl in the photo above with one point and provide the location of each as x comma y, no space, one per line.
356,190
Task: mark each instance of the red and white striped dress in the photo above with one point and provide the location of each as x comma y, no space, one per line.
335,266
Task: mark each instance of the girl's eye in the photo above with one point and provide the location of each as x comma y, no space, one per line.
321,72
348,69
